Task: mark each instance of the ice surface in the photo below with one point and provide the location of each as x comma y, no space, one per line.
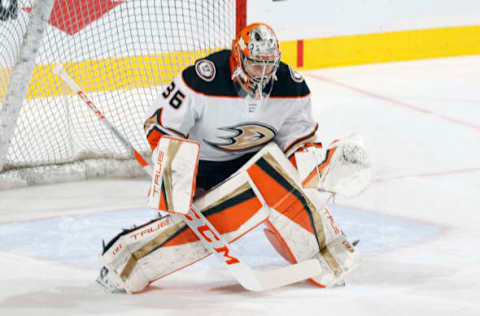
77,239
418,222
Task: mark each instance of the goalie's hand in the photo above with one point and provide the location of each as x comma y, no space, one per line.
343,167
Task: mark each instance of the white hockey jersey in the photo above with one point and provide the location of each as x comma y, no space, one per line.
202,104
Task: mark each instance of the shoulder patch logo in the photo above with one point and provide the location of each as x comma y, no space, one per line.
296,76
205,69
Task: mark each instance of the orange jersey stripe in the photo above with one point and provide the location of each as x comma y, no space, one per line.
153,137
309,137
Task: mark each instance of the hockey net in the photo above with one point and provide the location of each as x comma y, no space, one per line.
122,53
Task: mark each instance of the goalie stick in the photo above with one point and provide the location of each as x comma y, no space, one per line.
58,69
213,241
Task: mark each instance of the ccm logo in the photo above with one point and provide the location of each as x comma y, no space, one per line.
210,237
90,104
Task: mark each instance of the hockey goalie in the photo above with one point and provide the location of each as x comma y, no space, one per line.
234,146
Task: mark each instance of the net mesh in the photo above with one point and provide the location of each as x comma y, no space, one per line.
121,53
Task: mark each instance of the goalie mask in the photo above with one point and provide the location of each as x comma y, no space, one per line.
254,60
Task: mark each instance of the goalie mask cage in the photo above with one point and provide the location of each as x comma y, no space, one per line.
121,53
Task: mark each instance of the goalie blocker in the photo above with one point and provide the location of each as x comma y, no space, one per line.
266,190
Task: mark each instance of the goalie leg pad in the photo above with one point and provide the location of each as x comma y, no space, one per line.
299,223
140,256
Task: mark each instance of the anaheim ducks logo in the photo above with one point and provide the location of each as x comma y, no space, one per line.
245,136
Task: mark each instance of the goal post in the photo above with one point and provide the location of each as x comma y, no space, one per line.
122,53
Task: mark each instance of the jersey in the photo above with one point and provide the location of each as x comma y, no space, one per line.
202,104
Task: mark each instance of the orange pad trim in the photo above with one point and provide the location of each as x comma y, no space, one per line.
227,217
281,195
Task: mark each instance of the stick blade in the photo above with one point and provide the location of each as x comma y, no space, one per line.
287,275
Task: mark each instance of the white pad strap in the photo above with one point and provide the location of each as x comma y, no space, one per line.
175,170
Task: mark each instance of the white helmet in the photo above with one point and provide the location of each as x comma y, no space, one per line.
255,59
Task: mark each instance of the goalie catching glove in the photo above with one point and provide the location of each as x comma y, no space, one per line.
342,168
